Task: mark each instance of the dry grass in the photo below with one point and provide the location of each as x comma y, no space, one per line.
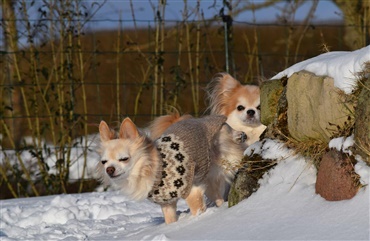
312,149
362,137
364,148
345,130
256,166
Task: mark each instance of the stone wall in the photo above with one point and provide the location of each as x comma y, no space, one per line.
309,108
315,107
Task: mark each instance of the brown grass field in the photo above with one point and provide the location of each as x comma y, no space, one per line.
115,80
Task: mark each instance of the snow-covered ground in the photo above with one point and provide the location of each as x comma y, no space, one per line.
285,207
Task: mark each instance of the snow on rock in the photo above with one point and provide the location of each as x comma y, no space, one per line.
269,149
342,144
342,66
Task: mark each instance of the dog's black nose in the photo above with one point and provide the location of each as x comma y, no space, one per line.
110,171
251,112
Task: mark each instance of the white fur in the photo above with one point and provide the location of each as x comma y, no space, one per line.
135,176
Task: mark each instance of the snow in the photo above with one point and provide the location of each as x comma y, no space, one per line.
342,144
285,207
342,66
51,153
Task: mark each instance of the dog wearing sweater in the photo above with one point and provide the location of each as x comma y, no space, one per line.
230,146
176,165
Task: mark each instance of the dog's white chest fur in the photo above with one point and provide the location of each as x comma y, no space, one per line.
253,133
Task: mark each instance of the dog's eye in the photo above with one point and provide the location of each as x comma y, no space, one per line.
259,107
103,162
123,159
240,108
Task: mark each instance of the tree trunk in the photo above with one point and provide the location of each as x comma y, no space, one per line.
357,20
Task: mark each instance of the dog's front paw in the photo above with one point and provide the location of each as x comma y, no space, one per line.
219,202
239,137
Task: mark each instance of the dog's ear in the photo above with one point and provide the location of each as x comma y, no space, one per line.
128,129
228,83
106,133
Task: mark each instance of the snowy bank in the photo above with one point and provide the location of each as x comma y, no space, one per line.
284,208
342,66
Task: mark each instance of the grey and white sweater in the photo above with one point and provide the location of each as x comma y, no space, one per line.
185,149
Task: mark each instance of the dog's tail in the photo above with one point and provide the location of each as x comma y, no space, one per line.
160,124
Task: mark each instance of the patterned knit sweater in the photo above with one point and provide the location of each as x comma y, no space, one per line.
185,150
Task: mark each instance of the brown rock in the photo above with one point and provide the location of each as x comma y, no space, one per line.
270,94
315,105
336,178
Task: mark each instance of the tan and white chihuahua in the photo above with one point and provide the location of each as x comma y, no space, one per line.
240,103
179,164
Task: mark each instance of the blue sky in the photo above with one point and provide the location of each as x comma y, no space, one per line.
114,10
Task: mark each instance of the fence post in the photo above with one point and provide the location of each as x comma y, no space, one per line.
228,21
226,48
